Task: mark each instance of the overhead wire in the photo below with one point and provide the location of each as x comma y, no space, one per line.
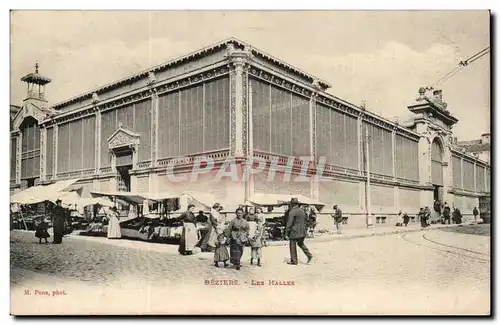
462,64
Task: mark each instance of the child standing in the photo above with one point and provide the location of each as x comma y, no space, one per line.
221,254
41,231
256,239
406,219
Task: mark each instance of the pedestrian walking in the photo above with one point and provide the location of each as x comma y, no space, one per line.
427,213
41,231
221,254
406,219
337,218
421,216
475,212
446,214
311,221
237,232
296,232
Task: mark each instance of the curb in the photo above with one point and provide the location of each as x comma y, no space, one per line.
355,236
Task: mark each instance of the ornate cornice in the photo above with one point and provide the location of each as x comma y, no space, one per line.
141,94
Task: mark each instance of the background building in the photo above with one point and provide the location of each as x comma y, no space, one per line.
231,100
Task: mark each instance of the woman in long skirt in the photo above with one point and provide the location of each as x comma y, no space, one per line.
114,229
237,232
208,241
189,235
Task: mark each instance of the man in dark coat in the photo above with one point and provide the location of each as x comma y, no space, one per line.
475,212
58,222
446,214
296,231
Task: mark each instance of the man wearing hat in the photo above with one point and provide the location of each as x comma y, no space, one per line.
58,222
296,231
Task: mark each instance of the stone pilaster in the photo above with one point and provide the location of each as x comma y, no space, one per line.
393,139
155,102
98,142
43,156
55,154
475,172
312,145
238,88
360,144
397,205
462,173
19,142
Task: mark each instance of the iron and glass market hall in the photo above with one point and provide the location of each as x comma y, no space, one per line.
232,102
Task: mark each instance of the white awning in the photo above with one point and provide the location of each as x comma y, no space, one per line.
273,199
42,193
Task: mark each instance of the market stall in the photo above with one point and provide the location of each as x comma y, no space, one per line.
29,204
274,207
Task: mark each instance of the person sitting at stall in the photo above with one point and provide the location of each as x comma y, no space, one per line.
114,230
189,235
201,217
41,230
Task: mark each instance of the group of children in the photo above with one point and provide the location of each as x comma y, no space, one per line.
256,221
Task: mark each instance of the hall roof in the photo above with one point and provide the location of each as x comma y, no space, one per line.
191,56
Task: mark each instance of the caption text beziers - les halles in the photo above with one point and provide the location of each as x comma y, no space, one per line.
224,282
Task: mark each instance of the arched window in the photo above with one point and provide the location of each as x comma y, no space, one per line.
30,149
437,162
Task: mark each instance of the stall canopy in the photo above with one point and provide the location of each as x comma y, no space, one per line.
202,201
129,197
135,197
280,199
42,193
160,196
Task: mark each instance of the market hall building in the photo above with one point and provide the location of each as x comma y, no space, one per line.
232,101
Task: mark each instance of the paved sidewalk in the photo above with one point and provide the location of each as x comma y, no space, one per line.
346,234
372,231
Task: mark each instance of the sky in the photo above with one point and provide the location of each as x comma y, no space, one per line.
380,57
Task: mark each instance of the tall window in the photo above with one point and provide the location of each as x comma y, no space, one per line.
134,117
13,158
380,148
406,158
280,120
30,149
336,137
457,171
436,163
194,120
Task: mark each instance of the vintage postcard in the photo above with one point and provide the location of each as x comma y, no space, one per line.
250,163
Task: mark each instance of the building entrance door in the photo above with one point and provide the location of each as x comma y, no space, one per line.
123,178
438,193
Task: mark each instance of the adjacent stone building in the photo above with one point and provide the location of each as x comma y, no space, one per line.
232,101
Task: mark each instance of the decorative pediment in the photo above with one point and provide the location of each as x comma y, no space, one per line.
29,109
123,138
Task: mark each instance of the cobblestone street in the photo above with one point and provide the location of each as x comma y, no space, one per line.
425,272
